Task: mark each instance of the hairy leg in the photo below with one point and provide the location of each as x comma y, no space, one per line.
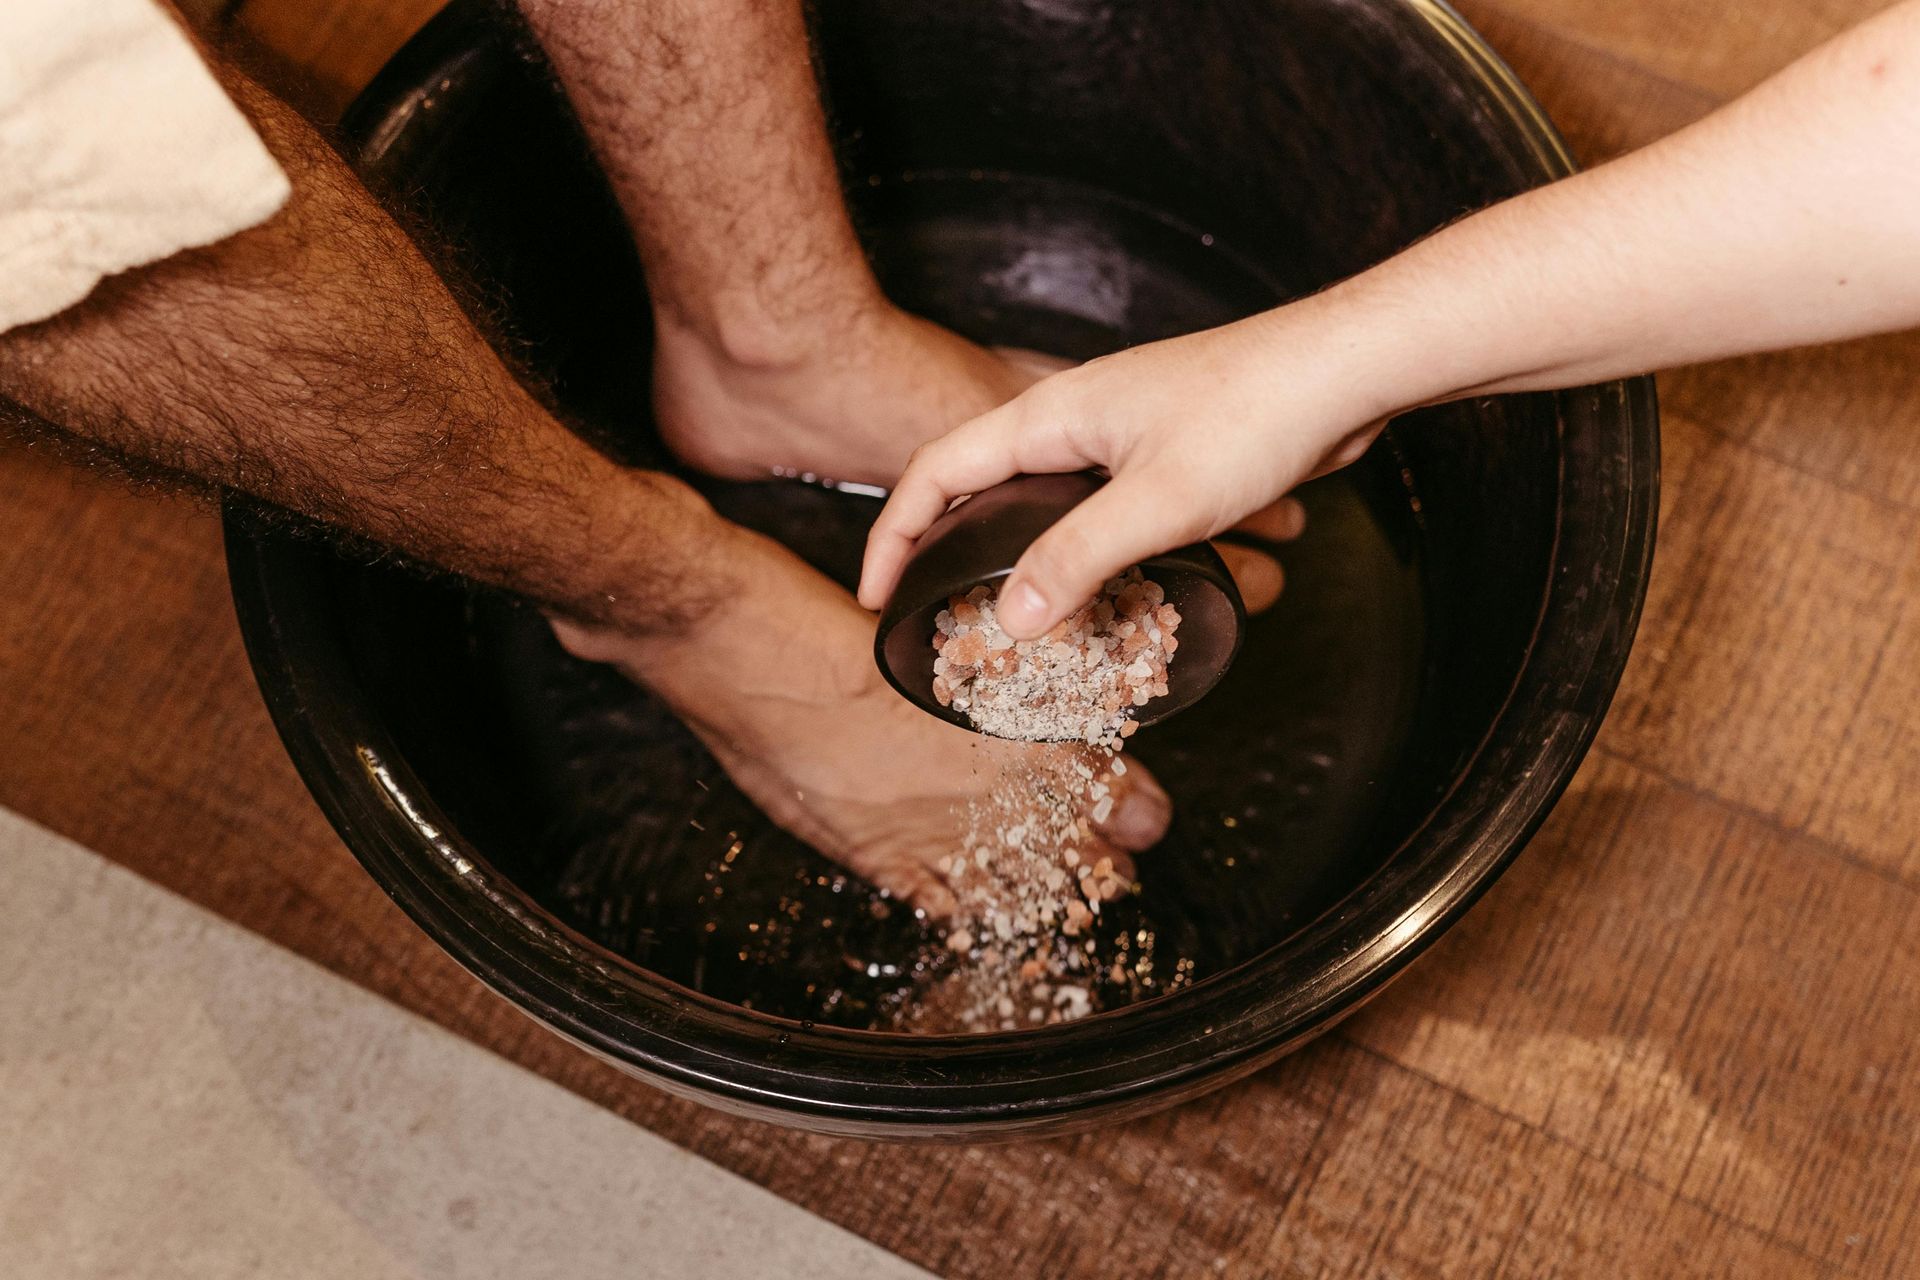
776,348
317,362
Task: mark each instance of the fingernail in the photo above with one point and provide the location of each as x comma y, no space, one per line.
1141,817
1023,610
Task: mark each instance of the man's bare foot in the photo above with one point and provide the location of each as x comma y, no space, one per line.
780,683
849,401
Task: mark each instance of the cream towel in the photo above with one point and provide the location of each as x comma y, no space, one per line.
117,148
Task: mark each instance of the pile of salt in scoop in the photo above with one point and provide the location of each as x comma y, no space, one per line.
1079,682
1027,880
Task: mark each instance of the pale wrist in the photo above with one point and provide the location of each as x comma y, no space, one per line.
1379,340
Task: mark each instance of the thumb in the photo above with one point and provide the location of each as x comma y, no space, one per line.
1124,522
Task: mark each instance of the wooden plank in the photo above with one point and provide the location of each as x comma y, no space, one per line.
1409,1180
1848,413
1872,800
1699,999
339,43
1775,663
1604,101
1721,47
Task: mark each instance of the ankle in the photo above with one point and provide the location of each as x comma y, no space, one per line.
746,335
777,632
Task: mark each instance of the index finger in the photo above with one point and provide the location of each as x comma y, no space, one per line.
967,459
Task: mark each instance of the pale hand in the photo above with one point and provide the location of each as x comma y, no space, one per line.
1199,433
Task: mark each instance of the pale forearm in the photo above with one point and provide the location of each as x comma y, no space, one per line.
318,363
1790,217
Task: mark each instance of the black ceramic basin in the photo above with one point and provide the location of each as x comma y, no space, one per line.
1062,174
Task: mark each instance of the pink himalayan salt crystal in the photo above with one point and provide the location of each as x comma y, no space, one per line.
1080,682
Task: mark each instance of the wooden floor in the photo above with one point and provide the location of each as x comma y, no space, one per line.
1678,1038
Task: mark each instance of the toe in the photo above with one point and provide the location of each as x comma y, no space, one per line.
1283,521
921,887
1257,574
1140,813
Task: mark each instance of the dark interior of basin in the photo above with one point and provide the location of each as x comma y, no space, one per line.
1058,175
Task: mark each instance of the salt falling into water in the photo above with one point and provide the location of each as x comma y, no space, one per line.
1031,876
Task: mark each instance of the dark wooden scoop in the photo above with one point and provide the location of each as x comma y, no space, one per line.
979,542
